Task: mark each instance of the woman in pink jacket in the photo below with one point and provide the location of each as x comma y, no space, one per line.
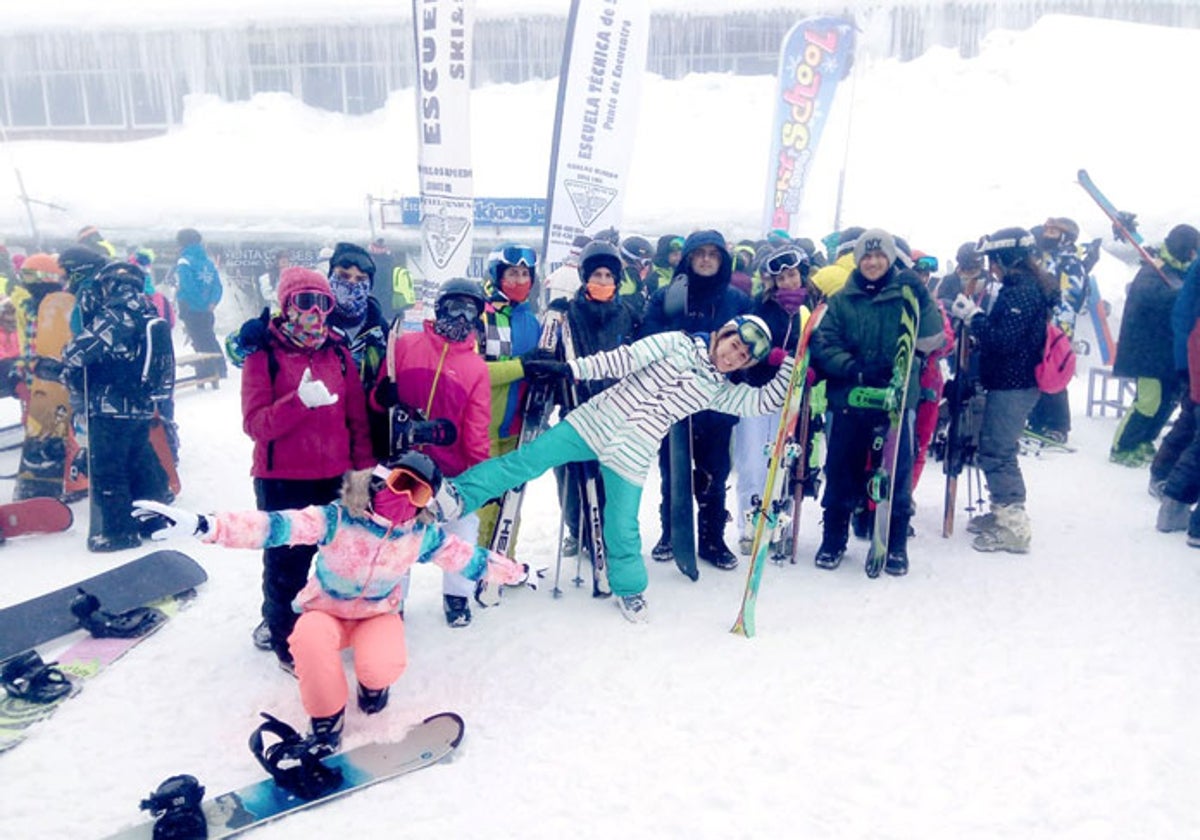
304,407
368,540
438,373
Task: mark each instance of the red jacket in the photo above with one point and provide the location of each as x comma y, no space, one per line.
291,440
444,379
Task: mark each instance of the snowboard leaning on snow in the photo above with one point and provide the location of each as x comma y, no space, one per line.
81,662
230,814
134,584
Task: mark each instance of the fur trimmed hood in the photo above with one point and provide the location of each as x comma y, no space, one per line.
356,492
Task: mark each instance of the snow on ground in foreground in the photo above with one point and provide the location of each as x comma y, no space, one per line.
1046,695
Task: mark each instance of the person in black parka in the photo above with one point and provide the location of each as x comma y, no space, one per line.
699,299
1145,350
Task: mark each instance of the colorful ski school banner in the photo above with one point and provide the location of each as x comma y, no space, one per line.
599,94
443,50
816,54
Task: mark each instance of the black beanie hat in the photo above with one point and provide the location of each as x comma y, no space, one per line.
1182,241
347,253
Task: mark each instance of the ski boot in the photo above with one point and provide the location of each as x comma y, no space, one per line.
176,807
1012,532
570,545
294,762
458,611
983,522
26,677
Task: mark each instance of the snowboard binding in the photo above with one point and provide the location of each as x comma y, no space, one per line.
26,677
176,806
292,760
106,625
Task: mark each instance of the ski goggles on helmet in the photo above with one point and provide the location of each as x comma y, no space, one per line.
791,258
756,338
402,481
308,301
459,307
929,264
518,255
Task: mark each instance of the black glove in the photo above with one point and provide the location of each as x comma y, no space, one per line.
875,374
547,369
253,334
1091,255
537,354
1128,220
49,369
386,394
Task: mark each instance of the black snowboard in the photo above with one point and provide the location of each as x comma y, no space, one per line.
682,513
135,584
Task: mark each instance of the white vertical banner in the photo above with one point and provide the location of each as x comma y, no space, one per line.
599,99
443,52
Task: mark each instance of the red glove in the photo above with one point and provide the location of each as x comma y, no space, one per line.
810,377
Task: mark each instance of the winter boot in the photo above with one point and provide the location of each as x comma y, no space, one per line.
634,608
712,549
1158,487
262,636
570,545
981,523
833,540
1172,516
372,700
896,563
662,552
1012,532
458,611
326,736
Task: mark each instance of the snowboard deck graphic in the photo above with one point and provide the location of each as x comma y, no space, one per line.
138,582
238,811
81,662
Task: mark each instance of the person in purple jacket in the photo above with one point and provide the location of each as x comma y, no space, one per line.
305,409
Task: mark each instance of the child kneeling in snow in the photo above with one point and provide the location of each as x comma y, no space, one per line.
368,540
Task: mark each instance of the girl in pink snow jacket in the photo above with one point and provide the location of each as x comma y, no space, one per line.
367,540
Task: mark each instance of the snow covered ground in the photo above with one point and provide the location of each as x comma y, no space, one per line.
1040,696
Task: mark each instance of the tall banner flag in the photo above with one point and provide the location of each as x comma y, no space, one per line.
443,50
816,54
599,95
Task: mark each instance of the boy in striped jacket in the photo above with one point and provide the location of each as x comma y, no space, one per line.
663,378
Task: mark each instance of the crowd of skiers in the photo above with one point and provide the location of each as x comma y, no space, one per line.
375,447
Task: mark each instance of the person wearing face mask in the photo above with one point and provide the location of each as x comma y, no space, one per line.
365,542
510,337
598,321
700,298
439,373
855,345
358,318
305,409
784,305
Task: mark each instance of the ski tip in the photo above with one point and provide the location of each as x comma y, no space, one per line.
1082,174
454,716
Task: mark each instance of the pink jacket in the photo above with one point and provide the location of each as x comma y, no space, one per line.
444,379
292,441
362,560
